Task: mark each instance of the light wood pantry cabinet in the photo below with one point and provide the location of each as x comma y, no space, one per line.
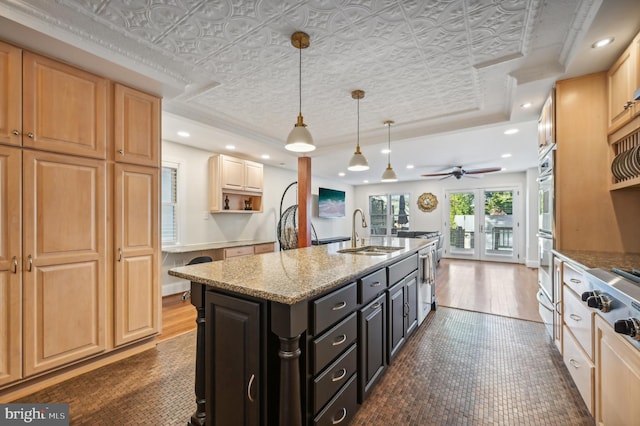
64,249
10,268
235,185
64,108
617,377
136,127
10,94
623,80
136,229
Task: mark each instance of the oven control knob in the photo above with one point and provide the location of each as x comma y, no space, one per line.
629,327
588,294
600,302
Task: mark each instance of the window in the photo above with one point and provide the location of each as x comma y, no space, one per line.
388,214
169,183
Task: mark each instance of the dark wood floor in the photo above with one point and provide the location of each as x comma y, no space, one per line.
505,289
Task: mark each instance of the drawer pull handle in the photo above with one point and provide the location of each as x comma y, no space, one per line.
376,284
575,280
30,260
575,317
339,306
340,340
341,373
375,306
15,265
253,376
574,363
344,415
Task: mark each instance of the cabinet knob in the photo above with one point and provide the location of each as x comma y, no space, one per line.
30,263
16,133
121,151
30,135
15,265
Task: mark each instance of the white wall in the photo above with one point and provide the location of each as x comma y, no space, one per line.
197,225
434,221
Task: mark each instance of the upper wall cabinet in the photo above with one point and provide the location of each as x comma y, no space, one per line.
136,127
64,108
623,80
235,185
10,95
546,123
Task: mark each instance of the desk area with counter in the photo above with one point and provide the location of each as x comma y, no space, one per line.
309,331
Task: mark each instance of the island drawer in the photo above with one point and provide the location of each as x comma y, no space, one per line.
402,268
333,377
371,285
330,308
342,407
573,278
580,367
333,342
263,248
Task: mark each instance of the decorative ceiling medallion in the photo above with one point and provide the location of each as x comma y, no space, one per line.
427,202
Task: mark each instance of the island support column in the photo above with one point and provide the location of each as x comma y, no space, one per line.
197,299
288,322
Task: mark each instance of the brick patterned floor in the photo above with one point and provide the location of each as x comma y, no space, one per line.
459,368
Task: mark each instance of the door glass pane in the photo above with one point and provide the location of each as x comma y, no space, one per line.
498,223
462,220
378,214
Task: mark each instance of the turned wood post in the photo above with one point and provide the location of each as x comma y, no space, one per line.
197,299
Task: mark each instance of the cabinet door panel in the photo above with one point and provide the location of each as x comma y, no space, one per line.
64,281
396,319
137,295
412,303
10,271
10,94
232,173
233,382
137,127
253,176
76,126
373,344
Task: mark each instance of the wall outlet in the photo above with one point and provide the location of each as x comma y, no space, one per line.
205,215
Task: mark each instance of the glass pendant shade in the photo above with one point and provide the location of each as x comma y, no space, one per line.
299,139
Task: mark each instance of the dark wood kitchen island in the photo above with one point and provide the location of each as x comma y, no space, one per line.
299,336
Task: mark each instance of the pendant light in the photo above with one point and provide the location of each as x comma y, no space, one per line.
389,175
300,139
358,163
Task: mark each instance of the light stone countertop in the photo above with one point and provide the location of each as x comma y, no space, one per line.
599,259
212,246
292,276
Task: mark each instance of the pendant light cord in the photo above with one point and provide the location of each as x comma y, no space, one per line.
389,145
300,78
358,127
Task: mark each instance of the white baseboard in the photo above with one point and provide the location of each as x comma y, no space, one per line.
532,263
175,288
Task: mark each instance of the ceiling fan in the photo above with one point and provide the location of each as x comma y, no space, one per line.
458,172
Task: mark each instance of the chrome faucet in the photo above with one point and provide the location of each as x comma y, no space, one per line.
354,236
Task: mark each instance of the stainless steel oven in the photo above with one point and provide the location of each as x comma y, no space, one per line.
545,268
546,203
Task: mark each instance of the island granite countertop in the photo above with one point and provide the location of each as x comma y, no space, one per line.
292,276
600,259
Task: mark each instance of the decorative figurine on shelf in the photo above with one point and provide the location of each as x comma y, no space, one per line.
226,202
247,204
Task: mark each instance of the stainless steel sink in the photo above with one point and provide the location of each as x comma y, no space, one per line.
371,250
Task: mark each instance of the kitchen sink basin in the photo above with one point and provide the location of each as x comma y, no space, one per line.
371,250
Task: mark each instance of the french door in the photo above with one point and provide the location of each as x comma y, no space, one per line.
483,224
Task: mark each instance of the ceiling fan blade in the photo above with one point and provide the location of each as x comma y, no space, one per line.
485,170
446,177
436,174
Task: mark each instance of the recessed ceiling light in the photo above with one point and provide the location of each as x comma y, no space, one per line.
526,105
503,169
183,134
385,151
266,156
511,131
365,181
231,147
410,166
506,155
341,174
602,43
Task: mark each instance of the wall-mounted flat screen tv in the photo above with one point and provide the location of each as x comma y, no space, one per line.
331,203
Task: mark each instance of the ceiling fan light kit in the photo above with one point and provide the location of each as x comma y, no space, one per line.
458,172
299,139
358,162
389,175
